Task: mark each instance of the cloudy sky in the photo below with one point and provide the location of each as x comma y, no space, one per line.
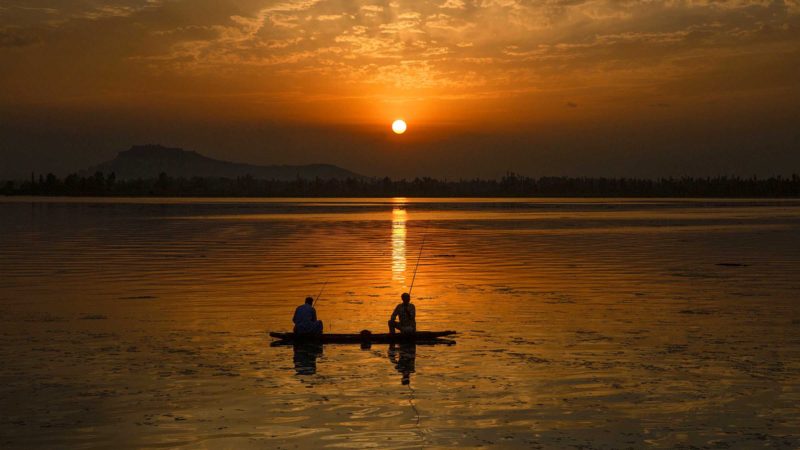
547,87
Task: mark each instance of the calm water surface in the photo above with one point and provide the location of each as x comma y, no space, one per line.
141,323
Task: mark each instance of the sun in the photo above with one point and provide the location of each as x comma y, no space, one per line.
399,126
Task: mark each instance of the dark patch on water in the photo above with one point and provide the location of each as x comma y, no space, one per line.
693,275
44,318
529,358
703,312
559,299
94,317
676,348
591,336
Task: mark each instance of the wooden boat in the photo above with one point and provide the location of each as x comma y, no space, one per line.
365,337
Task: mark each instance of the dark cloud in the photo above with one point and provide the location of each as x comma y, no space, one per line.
18,37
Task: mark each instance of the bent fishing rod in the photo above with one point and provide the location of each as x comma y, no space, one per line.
424,236
320,293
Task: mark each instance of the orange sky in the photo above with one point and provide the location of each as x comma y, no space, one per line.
346,69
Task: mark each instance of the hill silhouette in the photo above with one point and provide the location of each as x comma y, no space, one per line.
149,161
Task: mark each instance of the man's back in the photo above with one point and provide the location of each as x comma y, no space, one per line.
305,318
407,314
304,314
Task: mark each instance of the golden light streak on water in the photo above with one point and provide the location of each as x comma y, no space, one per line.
399,244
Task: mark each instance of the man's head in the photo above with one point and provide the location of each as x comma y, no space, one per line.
406,297
309,300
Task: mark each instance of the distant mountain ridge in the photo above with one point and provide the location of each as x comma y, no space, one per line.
149,161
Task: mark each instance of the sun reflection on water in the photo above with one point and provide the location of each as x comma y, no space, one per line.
399,244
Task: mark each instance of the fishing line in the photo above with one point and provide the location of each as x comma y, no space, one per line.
411,397
412,402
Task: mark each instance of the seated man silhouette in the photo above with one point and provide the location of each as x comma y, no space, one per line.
407,314
305,318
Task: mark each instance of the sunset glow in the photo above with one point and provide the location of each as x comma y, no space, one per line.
543,87
399,126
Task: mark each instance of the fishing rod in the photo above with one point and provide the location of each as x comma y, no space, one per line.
425,235
320,293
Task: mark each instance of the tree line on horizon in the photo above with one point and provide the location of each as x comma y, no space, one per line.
510,185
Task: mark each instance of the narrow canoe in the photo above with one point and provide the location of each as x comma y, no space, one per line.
358,338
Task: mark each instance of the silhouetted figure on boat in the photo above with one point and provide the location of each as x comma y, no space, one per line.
407,314
404,360
305,318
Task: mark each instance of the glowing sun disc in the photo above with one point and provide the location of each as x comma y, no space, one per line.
399,126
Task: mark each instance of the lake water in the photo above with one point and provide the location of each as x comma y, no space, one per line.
588,323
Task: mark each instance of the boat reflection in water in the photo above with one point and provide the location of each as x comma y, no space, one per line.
402,354
305,357
404,357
